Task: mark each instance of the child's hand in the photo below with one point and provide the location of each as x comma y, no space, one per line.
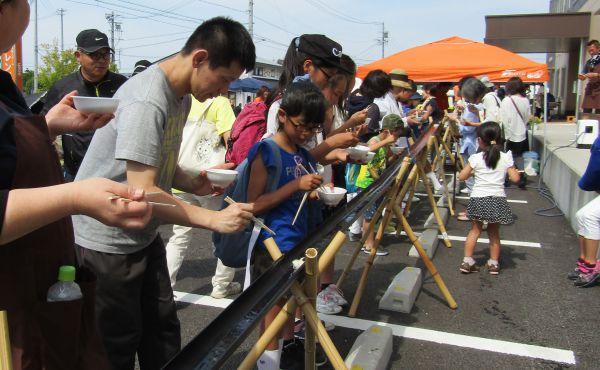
359,117
345,139
309,182
313,195
390,139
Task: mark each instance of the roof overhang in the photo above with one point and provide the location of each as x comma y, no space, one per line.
538,33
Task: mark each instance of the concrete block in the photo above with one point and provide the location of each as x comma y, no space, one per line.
432,222
372,349
402,292
429,240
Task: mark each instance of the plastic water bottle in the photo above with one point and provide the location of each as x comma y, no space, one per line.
65,289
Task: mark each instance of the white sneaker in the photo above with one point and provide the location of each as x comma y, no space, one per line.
465,191
326,305
232,288
336,294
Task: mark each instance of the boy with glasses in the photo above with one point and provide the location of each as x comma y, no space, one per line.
92,79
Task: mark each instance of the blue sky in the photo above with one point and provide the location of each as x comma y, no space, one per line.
152,29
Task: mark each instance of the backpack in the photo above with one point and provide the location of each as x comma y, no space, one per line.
232,249
248,128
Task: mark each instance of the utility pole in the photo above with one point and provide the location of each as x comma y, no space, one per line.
251,18
61,12
383,40
250,25
110,17
35,48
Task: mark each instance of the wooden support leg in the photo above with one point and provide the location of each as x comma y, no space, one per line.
5,352
401,173
436,211
442,174
311,269
282,318
310,314
426,260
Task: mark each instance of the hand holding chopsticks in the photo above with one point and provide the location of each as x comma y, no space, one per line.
256,220
126,200
305,194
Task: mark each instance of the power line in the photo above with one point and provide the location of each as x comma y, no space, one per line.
127,13
156,36
336,13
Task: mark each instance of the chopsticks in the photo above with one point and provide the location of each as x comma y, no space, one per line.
306,194
256,220
126,200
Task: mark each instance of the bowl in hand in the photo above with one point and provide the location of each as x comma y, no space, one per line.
367,158
396,149
92,104
331,197
221,178
358,153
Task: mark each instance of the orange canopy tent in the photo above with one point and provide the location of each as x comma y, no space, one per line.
451,59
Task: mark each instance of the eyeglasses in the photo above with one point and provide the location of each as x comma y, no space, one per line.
300,127
327,75
97,55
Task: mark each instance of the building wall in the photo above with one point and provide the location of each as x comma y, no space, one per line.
564,67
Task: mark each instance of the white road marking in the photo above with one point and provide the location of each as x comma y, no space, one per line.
467,198
515,243
202,299
492,345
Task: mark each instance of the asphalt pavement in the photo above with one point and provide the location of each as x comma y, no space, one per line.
527,317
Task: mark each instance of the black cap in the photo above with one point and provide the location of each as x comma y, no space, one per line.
322,48
140,66
92,40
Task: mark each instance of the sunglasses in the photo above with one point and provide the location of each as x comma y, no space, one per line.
301,128
97,55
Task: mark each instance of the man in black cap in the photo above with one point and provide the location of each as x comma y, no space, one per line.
140,66
92,79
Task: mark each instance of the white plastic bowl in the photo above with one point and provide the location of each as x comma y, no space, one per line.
358,153
367,158
90,104
331,197
221,178
396,149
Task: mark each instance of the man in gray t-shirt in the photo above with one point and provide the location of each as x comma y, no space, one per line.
135,309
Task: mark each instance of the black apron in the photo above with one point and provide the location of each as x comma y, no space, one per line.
45,335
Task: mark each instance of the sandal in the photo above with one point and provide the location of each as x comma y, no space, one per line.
462,216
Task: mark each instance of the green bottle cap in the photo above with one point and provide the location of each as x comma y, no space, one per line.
66,273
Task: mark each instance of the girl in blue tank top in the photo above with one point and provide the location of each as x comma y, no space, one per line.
300,116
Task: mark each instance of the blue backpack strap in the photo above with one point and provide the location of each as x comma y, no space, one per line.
273,180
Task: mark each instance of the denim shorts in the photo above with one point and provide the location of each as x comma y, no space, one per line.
370,213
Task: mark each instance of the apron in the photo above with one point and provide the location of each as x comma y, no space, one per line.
591,98
45,335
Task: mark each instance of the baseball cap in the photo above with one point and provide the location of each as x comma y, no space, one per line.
486,81
321,48
92,40
140,66
391,122
416,96
400,78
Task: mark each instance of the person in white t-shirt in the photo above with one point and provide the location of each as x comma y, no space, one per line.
488,200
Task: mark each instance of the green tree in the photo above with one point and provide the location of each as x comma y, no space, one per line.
27,81
55,65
